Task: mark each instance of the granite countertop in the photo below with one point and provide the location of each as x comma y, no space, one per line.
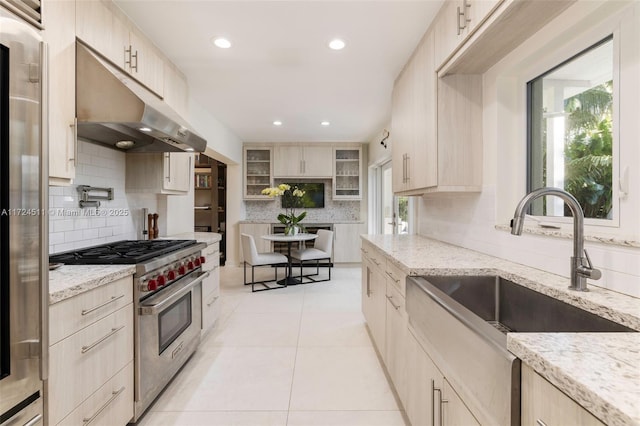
70,280
600,371
201,237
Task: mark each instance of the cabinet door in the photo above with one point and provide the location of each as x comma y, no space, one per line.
98,27
146,65
347,174
176,91
460,132
402,100
395,340
177,167
257,172
346,237
422,379
479,11
454,412
287,161
543,403
60,35
317,161
374,303
423,162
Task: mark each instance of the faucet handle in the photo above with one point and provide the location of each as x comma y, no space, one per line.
589,271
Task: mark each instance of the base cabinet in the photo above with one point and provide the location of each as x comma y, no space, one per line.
91,357
346,239
374,301
211,287
544,404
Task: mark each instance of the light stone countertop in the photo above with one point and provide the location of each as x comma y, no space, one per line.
600,371
70,280
201,237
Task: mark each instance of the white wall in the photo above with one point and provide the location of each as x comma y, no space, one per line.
469,220
377,152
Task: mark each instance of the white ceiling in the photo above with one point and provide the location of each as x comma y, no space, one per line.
279,66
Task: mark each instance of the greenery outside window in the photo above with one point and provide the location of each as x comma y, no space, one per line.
570,128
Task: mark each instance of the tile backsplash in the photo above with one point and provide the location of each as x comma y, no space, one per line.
333,211
72,227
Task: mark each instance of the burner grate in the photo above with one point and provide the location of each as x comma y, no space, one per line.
120,252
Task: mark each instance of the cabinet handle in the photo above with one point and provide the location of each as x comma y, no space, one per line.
113,331
166,156
114,395
127,52
113,299
135,67
375,261
34,421
408,167
540,422
368,284
442,402
392,277
213,300
390,299
463,14
404,168
75,142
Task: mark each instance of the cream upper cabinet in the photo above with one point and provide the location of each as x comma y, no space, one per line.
176,90
159,173
414,143
347,173
544,404
107,30
258,166
59,34
309,161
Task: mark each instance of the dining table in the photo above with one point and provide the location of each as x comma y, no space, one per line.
289,239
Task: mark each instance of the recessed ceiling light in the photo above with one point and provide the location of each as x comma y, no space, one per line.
125,144
336,44
277,123
144,129
222,42
325,123
189,149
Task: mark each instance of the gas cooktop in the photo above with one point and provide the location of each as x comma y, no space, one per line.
120,252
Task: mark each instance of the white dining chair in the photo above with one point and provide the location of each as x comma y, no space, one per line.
253,258
322,249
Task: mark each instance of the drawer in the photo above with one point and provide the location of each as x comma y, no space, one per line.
374,255
110,405
396,298
210,310
211,284
83,362
396,276
212,256
75,313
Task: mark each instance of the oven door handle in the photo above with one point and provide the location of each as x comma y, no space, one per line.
166,300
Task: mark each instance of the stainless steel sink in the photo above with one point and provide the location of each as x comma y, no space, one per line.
463,322
511,307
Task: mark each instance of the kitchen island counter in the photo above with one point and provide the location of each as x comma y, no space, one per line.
70,280
598,370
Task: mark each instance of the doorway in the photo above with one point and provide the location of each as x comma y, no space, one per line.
394,216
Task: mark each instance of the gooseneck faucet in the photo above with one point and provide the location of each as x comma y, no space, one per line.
581,267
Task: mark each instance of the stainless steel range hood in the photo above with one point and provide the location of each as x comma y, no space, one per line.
115,110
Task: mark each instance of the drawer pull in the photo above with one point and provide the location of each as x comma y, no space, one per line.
390,298
34,421
540,422
95,308
392,277
114,395
364,251
375,261
213,301
113,331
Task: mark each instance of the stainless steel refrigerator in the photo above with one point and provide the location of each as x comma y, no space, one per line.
23,295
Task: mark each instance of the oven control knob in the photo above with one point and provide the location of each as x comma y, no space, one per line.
190,265
202,260
162,280
171,275
182,270
152,285
196,262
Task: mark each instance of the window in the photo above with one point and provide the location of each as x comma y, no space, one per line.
570,133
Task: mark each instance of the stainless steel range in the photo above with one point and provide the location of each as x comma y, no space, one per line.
167,303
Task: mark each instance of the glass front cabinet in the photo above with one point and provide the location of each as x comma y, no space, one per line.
258,173
347,176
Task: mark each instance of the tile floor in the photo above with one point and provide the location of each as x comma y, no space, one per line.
299,356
